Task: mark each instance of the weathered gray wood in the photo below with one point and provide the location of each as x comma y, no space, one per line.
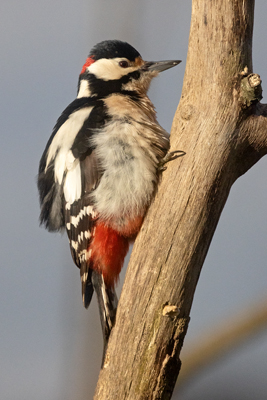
223,136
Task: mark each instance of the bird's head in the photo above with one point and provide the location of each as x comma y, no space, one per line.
116,67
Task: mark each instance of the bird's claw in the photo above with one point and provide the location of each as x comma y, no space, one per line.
172,155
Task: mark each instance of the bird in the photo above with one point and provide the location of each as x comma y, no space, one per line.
101,167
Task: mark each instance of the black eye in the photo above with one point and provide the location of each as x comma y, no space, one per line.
124,64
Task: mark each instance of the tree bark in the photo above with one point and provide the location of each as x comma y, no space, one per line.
222,128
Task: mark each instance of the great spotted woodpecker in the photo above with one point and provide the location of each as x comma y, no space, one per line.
100,167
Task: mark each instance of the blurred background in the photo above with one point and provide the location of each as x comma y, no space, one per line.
50,347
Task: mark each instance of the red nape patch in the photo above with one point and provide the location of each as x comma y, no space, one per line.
87,63
108,252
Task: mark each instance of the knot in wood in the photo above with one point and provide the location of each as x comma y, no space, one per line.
170,311
187,111
254,80
250,90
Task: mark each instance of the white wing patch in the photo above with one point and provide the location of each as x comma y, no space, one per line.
63,141
73,183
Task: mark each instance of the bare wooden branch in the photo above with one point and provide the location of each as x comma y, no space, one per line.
222,139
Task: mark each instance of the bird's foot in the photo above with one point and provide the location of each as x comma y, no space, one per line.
172,155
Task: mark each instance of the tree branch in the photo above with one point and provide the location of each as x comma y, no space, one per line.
222,140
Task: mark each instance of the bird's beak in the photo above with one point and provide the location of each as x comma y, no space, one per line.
160,66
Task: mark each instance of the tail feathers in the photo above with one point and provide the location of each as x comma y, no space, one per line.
87,287
107,302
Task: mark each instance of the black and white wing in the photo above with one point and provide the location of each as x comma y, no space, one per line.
52,167
68,172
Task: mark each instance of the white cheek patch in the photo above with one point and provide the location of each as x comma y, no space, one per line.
109,69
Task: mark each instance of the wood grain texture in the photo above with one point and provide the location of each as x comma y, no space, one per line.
222,139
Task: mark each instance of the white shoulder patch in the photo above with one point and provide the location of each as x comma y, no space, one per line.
73,184
63,140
